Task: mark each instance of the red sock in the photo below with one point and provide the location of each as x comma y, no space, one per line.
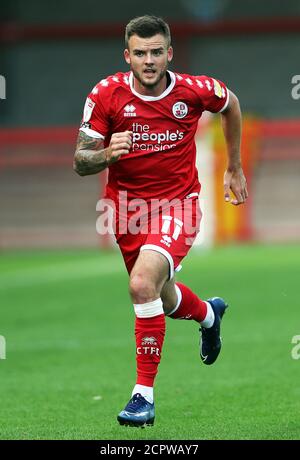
149,335
190,307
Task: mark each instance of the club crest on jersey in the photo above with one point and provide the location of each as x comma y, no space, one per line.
180,109
129,111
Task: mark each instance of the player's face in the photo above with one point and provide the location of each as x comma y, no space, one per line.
149,59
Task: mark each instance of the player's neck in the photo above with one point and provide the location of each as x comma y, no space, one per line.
155,91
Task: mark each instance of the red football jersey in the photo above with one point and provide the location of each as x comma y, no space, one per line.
161,163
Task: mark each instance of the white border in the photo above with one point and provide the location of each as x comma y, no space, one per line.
226,103
92,133
153,98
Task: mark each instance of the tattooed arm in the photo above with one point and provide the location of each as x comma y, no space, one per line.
91,157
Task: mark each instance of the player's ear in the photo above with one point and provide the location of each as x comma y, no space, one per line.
127,56
170,54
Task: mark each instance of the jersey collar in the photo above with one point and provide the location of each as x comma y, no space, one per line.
153,98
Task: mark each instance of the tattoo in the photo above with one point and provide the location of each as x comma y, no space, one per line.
90,155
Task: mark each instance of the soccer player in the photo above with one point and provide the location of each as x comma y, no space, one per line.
141,126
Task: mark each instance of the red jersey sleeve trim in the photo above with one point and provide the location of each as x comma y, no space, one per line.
226,102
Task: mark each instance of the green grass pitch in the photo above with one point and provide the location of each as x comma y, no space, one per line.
70,352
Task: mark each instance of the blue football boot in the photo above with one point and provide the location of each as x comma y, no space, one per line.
138,412
211,342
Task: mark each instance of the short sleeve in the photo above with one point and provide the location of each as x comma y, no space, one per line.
95,120
214,95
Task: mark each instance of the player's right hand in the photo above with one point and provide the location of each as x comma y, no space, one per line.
120,144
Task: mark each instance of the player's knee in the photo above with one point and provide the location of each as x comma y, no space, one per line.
142,289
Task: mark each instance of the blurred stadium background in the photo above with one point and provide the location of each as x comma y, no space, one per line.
52,58
51,55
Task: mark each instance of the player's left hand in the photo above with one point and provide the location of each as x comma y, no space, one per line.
235,181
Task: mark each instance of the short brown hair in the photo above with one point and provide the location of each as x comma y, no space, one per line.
147,26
